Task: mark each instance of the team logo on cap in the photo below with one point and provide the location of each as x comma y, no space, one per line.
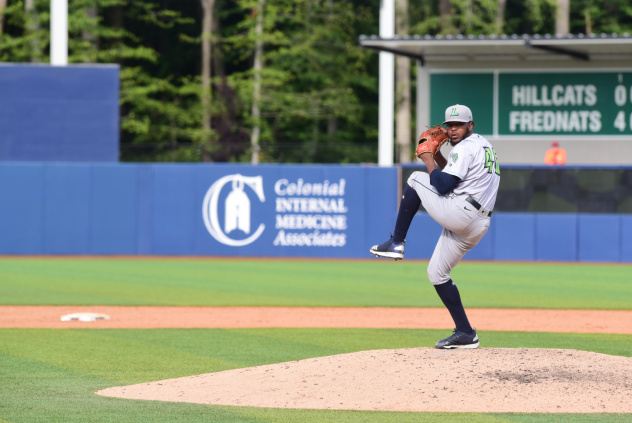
454,113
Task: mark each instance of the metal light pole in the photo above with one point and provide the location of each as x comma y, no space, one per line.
59,32
387,87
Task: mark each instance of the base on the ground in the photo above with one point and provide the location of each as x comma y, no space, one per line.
415,379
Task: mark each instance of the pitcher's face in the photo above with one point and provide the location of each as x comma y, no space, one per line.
457,131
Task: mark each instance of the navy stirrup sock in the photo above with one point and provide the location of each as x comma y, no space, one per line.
449,294
407,210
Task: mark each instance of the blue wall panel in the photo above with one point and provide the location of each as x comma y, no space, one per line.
67,200
92,208
113,209
556,237
21,209
599,237
68,113
145,209
174,217
380,196
422,237
626,238
514,236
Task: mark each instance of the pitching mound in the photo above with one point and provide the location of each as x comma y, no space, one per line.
415,379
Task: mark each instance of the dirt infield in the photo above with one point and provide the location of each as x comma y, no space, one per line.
525,320
415,379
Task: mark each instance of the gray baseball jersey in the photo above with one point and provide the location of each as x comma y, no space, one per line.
474,161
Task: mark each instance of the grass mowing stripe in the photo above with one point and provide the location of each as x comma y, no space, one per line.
121,361
50,374
38,392
307,283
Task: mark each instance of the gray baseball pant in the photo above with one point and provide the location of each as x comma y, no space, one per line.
463,227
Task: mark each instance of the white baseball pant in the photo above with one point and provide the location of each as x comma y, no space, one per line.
463,227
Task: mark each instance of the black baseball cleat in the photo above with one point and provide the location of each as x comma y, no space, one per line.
389,249
459,340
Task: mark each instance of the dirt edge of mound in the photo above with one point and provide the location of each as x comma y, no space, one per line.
415,379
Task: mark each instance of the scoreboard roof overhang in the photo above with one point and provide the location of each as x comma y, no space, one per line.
441,49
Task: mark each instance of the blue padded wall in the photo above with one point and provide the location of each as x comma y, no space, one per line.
421,239
174,194
514,236
67,195
22,209
113,209
626,238
66,208
599,237
70,208
50,113
556,237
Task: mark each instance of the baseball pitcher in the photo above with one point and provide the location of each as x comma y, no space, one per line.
458,193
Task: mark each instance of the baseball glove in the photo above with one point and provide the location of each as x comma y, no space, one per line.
431,140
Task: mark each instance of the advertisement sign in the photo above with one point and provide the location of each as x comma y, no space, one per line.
196,209
281,210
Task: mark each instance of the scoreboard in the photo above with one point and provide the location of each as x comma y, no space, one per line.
538,103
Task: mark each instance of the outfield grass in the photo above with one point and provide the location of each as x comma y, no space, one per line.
49,375
307,283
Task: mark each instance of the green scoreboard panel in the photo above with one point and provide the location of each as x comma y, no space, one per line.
538,103
474,90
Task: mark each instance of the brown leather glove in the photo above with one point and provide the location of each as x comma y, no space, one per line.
431,140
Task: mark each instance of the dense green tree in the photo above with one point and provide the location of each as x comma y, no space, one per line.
310,91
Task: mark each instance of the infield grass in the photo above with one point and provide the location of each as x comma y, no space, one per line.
49,375
307,283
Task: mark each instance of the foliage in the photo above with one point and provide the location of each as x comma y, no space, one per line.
468,17
319,93
312,67
596,16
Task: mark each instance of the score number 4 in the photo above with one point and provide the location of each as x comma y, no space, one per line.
619,121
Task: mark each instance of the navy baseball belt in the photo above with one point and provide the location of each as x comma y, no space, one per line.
474,203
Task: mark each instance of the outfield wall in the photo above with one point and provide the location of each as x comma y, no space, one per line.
194,209
267,210
59,113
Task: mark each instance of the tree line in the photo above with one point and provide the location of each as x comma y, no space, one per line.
269,80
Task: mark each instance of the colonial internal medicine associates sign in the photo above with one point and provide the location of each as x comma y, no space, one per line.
308,214
544,103
274,210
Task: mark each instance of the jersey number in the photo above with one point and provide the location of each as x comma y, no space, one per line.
491,161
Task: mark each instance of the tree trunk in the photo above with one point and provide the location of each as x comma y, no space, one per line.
562,17
207,32
32,19
402,88
256,86
216,51
332,126
92,14
445,12
588,21
3,5
500,16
